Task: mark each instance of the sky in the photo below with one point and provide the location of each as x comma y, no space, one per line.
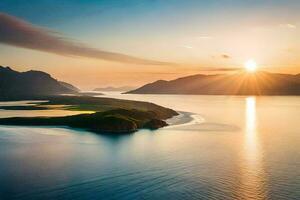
98,43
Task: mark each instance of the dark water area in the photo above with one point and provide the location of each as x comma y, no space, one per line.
235,148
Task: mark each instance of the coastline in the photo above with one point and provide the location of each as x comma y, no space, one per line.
105,115
194,122
184,119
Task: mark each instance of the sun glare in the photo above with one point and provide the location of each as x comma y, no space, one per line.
250,66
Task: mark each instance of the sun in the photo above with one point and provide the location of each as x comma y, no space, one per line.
250,65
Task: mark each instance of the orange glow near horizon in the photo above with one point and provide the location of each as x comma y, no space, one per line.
205,46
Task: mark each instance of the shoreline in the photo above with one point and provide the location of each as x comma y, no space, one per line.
184,119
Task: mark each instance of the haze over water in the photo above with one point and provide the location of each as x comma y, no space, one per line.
245,148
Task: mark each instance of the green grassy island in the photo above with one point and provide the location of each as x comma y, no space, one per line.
110,115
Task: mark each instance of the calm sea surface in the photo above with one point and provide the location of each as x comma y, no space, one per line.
242,148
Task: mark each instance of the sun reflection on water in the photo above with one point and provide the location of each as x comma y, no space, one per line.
251,140
253,176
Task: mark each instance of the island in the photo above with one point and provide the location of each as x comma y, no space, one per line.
113,116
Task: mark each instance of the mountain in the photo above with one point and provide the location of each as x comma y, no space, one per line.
239,83
111,89
70,86
20,85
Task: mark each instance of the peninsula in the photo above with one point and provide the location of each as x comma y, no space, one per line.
112,116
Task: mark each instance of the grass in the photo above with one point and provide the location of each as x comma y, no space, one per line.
111,115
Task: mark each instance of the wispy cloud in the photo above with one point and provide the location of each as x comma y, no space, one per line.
187,46
291,26
204,37
19,33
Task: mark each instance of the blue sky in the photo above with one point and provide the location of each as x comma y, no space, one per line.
66,15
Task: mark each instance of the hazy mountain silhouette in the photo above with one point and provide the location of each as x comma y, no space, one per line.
240,83
109,88
15,85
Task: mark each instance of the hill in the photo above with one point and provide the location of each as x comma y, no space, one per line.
240,83
15,85
70,86
113,121
110,115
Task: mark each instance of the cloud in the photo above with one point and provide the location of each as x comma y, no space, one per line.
291,26
203,37
19,33
225,56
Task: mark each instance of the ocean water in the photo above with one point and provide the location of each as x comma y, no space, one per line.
234,148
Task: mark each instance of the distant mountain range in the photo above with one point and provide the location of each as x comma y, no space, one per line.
16,85
239,83
111,89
